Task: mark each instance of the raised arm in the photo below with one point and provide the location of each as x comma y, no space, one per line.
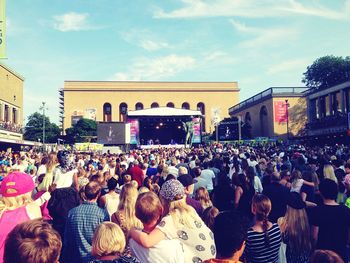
147,240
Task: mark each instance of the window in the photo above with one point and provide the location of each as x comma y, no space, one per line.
155,105
185,106
107,112
170,105
139,106
123,110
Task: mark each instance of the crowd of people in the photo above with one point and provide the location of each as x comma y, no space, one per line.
214,203
9,126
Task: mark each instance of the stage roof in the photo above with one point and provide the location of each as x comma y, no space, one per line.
164,111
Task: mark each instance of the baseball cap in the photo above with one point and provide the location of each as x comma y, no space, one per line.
172,190
20,182
185,180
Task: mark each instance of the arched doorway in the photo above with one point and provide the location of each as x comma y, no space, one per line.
264,128
155,105
185,106
123,110
139,106
170,105
107,112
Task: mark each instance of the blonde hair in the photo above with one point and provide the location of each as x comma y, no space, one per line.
127,201
108,239
328,172
181,212
295,225
202,196
295,176
182,170
52,162
13,202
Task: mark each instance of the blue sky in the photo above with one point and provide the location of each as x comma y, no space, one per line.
258,43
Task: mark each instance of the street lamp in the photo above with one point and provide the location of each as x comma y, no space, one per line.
43,108
287,115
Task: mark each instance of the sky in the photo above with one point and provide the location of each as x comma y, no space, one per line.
258,43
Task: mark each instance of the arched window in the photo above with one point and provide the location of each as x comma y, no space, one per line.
170,105
139,106
185,106
155,105
123,110
201,107
107,112
264,122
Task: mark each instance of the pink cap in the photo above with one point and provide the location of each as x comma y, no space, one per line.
22,183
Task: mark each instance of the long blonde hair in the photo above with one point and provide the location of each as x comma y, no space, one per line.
52,162
181,212
13,202
295,225
328,172
127,201
202,196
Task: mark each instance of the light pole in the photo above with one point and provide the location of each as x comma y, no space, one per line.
43,108
287,115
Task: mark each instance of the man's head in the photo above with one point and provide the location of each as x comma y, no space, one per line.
92,191
32,241
148,209
230,232
187,181
328,189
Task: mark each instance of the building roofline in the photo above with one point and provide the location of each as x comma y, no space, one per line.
12,71
130,81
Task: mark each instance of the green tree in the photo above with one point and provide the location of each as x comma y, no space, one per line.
84,130
327,71
34,129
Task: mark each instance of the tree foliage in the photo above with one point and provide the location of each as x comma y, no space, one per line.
327,71
84,130
34,129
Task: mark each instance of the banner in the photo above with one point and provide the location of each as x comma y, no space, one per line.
134,131
2,29
280,111
196,138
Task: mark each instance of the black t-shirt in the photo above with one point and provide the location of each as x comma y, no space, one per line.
333,222
310,192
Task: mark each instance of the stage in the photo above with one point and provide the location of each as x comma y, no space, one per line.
163,127
159,146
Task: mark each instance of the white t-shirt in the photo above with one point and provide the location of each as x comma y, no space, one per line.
208,175
296,185
166,251
198,241
63,179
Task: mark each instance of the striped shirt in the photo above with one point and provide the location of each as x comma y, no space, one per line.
258,251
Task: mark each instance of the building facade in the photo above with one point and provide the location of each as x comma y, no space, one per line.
275,112
11,105
111,100
328,111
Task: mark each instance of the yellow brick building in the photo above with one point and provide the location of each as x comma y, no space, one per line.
275,112
11,105
110,100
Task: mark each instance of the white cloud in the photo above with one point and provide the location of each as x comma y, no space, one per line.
71,22
292,65
144,39
157,68
264,36
252,8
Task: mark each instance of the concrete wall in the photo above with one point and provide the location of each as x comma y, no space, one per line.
79,96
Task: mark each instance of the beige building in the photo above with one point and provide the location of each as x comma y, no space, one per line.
111,100
11,105
275,112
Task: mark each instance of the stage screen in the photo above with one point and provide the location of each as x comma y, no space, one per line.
228,131
109,133
134,131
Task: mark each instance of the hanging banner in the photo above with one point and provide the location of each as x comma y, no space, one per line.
134,131
280,111
196,138
2,29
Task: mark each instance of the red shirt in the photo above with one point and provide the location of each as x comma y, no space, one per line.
136,174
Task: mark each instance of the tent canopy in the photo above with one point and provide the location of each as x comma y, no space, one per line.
164,111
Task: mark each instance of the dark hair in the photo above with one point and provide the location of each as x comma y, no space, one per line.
112,184
230,231
262,206
325,256
196,171
209,215
32,241
92,190
347,165
328,189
